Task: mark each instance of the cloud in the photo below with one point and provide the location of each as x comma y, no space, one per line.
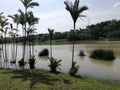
116,5
60,20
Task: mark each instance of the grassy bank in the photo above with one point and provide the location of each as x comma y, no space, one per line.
44,80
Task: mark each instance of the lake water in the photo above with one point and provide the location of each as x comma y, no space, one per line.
88,67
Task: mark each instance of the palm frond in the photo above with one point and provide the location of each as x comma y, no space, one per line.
81,9
69,5
29,3
33,4
74,9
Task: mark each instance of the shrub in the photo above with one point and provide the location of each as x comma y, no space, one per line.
12,62
44,52
81,53
54,64
32,62
21,62
102,54
74,69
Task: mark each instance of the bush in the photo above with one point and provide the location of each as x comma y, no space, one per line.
44,52
54,64
12,62
32,62
74,69
102,54
21,62
81,53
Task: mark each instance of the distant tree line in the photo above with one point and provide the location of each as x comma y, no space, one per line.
109,30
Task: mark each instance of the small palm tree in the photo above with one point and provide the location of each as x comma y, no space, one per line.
51,38
54,64
75,12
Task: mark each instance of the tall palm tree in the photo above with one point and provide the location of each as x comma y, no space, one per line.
22,21
75,12
31,20
51,38
27,4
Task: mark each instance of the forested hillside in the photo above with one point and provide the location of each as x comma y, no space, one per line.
109,30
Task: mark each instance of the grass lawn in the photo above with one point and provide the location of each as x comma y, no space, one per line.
44,80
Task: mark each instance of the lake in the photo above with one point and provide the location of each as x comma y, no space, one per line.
88,67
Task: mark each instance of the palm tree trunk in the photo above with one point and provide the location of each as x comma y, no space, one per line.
73,44
6,58
50,47
33,45
3,55
16,48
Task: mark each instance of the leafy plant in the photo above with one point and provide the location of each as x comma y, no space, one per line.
74,69
102,54
32,62
54,64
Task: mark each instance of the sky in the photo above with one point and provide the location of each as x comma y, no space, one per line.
53,15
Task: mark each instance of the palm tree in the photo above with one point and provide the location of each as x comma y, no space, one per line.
31,20
27,4
22,21
75,12
51,38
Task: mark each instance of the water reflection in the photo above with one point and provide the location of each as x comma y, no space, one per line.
88,66
43,58
102,62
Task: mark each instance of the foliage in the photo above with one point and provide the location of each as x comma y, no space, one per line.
54,64
32,62
12,61
44,52
74,9
102,54
74,69
21,62
109,30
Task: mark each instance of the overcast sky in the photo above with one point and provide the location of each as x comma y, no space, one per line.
52,13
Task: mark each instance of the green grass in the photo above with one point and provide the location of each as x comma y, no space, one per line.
44,80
